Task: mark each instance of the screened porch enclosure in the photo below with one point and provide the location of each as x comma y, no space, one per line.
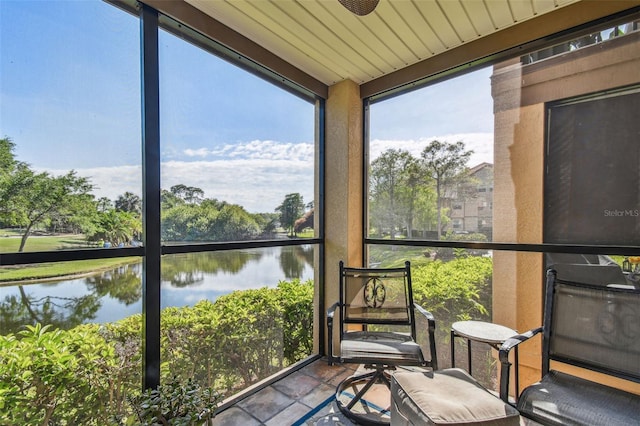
212,177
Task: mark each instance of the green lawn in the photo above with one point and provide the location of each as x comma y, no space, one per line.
306,233
59,269
10,242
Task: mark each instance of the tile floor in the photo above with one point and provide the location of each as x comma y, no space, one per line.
293,398
305,397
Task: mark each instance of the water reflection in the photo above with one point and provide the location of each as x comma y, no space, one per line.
117,293
23,306
183,270
121,283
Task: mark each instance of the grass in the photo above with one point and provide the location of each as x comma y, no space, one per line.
42,271
10,242
306,233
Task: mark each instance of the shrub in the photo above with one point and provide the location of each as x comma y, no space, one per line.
454,289
175,403
85,375
54,376
449,253
296,300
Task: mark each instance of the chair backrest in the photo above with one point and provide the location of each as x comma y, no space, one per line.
590,273
592,326
376,296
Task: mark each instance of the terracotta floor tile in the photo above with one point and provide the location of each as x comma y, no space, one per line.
292,398
335,381
378,395
320,394
323,371
289,416
297,385
266,404
235,416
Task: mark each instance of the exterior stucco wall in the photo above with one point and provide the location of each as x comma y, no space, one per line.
344,185
519,95
518,190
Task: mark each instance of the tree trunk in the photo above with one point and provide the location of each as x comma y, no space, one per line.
439,207
23,240
25,301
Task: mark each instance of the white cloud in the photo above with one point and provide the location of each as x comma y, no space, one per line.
257,149
480,143
258,185
110,182
257,174
200,152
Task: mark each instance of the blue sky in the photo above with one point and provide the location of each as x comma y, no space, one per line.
70,99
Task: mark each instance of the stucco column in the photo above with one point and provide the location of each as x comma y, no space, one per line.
343,183
518,213
518,205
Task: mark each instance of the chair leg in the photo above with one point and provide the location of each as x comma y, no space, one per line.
371,381
377,376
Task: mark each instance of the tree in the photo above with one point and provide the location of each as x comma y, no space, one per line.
28,199
394,181
211,220
416,195
14,177
189,194
129,202
268,222
103,204
446,164
168,200
115,226
290,210
7,159
235,223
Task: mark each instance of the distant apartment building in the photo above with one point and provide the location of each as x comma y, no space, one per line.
472,207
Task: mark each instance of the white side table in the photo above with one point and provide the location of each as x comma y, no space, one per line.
493,335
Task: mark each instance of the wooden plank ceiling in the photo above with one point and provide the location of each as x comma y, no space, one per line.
331,44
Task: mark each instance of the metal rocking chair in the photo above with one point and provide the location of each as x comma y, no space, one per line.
377,330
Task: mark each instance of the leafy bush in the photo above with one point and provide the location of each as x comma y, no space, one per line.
261,331
296,300
453,289
51,376
175,403
87,374
449,253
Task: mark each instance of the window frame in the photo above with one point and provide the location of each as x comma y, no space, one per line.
152,250
439,77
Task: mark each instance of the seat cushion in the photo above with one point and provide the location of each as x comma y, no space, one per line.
380,347
562,399
446,397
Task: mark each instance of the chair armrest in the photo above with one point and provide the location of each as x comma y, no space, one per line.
505,365
424,312
330,313
431,320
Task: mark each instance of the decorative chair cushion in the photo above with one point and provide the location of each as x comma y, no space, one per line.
383,347
446,397
564,399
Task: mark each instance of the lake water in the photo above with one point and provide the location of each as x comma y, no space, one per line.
186,279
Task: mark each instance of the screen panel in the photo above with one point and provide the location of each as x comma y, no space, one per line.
592,180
